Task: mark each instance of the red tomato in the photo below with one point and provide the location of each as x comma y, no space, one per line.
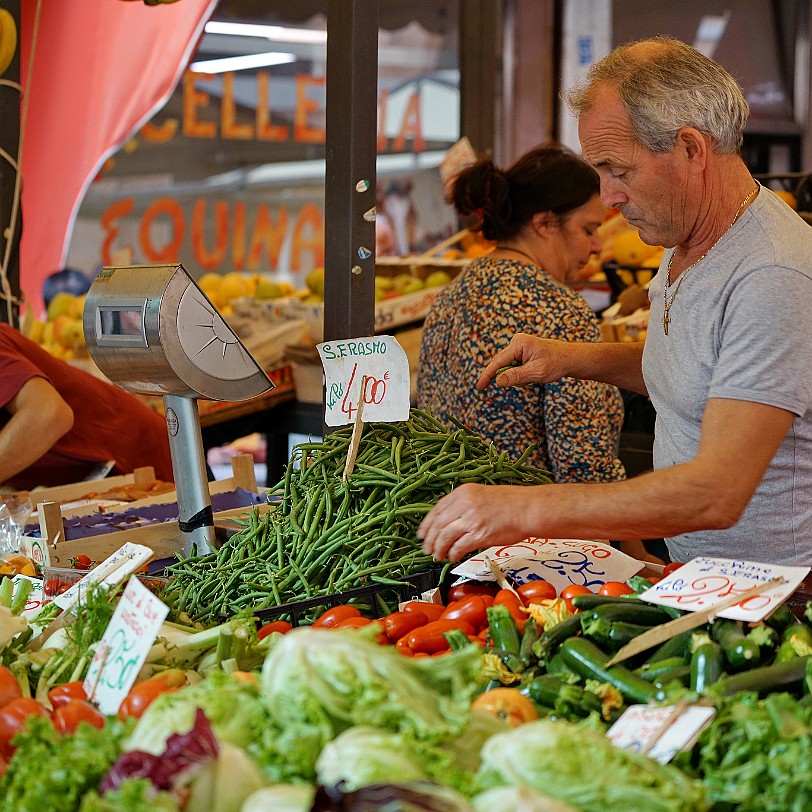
81,562
9,687
63,694
430,639
569,592
504,597
615,589
431,610
535,591
672,567
143,693
67,717
402,646
398,624
12,721
460,591
471,609
333,616
281,626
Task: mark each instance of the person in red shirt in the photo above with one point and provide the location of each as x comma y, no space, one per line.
58,422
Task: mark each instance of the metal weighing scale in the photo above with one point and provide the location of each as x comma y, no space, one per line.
151,330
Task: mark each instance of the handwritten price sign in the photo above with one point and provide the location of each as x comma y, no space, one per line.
124,647
561,562
373,371
704,581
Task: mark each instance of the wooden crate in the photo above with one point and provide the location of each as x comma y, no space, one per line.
164,538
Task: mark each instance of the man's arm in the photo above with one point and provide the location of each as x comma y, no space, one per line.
738,440
543,360
39,417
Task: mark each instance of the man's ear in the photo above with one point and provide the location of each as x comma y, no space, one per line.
693,145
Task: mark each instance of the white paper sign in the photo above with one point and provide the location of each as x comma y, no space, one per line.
704,581
113,570
560,561
659,731
124,646
377,361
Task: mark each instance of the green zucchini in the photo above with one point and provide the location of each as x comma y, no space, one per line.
504,631
584,602
589,662
780,617
530,634
643,614
547,645
740,652
611,635
511,661
653,671
679,674
707,666
562,697
677,646
796,642
789,676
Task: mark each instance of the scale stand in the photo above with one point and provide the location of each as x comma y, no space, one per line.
151,330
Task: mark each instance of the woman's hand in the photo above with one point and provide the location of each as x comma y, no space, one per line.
529,359
474,516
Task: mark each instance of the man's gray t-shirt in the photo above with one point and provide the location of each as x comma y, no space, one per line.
741,328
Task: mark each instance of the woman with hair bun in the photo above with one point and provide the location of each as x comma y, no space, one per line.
543,212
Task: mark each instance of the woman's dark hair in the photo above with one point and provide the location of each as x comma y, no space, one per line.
548,178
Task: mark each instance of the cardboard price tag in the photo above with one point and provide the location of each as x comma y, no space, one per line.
705,581
124,646
660,732
561,562
373,371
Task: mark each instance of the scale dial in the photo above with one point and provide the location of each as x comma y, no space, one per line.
209,343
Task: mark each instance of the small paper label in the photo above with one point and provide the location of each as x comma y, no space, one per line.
124,646
113,570
659,731
561,562
704,581
374,370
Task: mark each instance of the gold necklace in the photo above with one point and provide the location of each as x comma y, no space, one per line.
666,303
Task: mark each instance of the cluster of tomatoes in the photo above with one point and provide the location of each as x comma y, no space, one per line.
418,628
68,706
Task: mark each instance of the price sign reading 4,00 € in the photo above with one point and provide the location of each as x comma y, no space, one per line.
373,371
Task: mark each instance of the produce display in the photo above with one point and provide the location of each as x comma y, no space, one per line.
329,534
471,697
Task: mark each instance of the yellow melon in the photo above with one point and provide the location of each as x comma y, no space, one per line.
630,250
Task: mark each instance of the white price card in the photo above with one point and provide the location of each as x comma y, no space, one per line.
124,646
373,371
113,570
703,581
659,731
561,562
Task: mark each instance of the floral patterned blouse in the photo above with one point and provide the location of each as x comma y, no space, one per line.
575,424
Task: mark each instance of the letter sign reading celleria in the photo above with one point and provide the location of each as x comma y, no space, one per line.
372,371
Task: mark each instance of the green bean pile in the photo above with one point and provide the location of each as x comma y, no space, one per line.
327,535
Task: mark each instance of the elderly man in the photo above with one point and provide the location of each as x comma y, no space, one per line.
729,347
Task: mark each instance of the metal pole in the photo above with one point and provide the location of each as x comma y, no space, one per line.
349,235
